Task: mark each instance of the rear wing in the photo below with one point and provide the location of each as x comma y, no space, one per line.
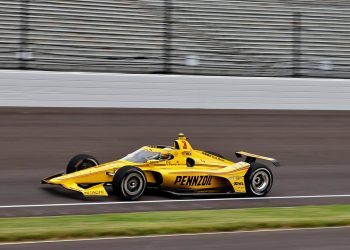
252,157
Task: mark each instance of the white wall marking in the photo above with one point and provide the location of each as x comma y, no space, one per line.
175,201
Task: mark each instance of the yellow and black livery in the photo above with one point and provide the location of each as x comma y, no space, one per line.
178,169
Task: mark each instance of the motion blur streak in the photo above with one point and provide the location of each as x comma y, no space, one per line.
331,237
173,201
35,142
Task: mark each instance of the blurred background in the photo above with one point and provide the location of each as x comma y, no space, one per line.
208,37
104,77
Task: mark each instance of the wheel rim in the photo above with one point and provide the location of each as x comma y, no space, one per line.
133,184
260,182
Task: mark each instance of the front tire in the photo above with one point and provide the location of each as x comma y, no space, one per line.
129,183
80,162
258,180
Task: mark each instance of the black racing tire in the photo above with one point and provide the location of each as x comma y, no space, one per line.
214,153
80,162
258,180
129,183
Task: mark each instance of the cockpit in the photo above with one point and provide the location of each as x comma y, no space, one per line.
142,156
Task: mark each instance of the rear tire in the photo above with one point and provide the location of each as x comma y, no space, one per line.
129,183
80,162
258,180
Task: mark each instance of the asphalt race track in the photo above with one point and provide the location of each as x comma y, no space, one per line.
312,147
299,239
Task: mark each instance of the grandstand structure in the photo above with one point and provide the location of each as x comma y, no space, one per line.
210,37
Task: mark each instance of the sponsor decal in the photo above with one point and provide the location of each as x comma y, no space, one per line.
240,164
172,163
94,192
193,180
212,156
235,178
238,183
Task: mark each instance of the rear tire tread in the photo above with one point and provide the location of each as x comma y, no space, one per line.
254,167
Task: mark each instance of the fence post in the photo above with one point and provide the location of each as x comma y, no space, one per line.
167,36
296,44
24,54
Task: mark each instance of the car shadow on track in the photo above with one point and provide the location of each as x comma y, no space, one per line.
149,194
73,195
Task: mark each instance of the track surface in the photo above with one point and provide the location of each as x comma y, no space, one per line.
307,239
312,147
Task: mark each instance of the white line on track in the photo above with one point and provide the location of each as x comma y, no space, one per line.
172,235
173,201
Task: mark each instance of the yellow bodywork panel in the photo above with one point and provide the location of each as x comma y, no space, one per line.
97,190
150,177
184,169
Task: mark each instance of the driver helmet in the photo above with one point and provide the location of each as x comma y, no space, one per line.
165,155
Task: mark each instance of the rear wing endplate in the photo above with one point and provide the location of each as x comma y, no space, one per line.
252,157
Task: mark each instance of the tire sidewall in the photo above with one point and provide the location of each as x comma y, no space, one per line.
248,178
119,179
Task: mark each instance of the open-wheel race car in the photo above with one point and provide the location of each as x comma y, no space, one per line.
178,169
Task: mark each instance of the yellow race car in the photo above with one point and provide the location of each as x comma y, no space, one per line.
177,169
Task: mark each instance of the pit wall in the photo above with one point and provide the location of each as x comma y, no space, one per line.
62,89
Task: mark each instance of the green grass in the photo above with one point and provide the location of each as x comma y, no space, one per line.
85,226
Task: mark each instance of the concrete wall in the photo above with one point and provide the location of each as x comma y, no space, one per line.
61,89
